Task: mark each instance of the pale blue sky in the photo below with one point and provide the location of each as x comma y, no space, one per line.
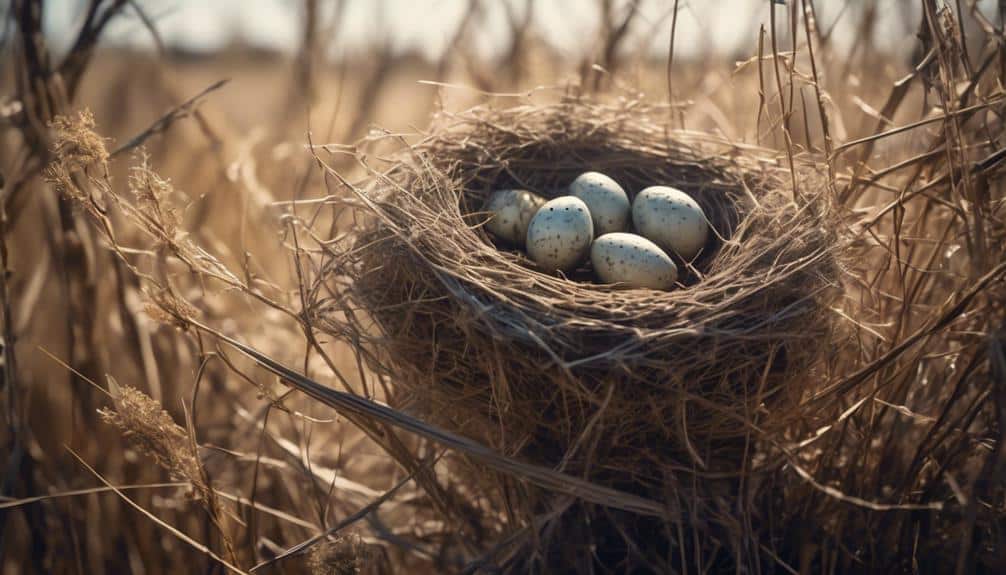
720,25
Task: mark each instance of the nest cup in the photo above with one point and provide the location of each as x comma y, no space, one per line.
624,386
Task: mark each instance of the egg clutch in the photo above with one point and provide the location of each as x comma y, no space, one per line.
593,222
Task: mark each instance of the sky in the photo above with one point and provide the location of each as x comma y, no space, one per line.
726,26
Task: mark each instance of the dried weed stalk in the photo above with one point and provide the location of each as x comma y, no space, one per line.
153,432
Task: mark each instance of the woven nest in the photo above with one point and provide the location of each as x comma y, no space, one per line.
624,386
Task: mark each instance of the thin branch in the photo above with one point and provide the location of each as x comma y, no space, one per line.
183,110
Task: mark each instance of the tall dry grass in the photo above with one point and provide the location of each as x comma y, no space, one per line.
204,210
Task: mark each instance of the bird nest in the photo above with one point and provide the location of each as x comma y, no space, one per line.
622,386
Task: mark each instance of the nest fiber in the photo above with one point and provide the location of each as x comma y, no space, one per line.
624,386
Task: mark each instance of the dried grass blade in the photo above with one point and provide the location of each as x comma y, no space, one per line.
185,538
541,476
347,521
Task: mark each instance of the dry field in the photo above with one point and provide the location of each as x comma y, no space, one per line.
173,225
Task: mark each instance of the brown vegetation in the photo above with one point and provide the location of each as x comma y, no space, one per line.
828,394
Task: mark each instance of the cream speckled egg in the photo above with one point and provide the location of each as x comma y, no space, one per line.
671,219
559,235
510,213
608,204
632,260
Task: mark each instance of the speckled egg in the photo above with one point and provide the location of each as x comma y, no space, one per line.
608,203
510,212
671,219
633,261
559,235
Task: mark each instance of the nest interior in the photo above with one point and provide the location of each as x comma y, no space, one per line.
624,386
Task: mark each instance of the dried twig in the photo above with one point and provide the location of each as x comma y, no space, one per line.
163,123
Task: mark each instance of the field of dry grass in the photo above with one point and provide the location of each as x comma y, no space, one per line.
156,204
